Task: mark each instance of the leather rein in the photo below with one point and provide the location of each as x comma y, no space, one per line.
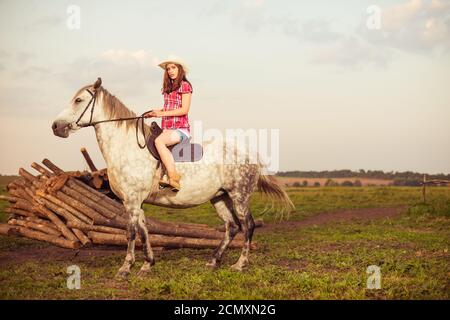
91,123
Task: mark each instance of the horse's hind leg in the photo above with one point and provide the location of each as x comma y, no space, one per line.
242,209
224,208
148,252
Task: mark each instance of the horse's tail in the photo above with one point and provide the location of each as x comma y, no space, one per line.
271,188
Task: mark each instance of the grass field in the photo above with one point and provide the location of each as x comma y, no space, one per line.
322,252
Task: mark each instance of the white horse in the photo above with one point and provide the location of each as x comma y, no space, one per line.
132,173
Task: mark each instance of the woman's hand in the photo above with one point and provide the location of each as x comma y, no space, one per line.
154,113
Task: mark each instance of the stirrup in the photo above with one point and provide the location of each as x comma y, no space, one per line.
164,182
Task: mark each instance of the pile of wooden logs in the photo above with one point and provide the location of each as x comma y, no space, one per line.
74,209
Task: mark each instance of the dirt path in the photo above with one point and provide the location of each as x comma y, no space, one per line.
59,254
336,216
55,254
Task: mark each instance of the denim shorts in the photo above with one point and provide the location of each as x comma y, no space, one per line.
183,136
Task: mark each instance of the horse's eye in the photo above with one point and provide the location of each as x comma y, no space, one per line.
78,100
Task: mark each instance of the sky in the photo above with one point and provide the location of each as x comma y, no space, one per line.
348,85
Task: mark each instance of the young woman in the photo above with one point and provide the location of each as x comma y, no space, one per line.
177,92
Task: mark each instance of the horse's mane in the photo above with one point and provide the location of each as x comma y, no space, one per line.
114,109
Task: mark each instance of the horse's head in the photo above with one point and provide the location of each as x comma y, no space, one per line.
81,111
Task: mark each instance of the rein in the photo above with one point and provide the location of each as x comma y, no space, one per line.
93,99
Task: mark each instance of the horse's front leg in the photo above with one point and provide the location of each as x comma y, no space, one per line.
133,208
124,271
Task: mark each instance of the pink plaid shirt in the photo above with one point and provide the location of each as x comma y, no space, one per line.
173,101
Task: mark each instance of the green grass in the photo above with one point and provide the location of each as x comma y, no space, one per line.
319,262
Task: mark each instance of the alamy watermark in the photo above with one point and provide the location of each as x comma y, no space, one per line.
74,278
238,146
373,21
374,278
73,21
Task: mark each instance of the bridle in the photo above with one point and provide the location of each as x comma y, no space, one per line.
92,101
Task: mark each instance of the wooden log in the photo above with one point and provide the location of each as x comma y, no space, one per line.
9,198
56,209
6,229
28,176
36,226
82,237
157,223
42,170
115,224
258,224
20,182
88,159
189,233
24,205
186,229
55,183
48,223
51,166
64,243
162,241
63,208
11,186
20,193
98,177
19,212
88,202
74,203
111,210
29,192
87,227
119,206
59,224
58,170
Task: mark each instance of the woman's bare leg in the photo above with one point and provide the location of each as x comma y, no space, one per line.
167,138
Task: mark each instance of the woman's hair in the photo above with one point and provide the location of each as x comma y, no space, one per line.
169,85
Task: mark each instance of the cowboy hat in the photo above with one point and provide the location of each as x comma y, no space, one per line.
174,59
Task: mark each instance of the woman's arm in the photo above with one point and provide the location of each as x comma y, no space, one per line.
185,105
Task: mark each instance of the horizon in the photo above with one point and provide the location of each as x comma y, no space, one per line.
277,173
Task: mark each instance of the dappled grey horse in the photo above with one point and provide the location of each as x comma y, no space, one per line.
132,173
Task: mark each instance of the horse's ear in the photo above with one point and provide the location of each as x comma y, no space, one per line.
97,83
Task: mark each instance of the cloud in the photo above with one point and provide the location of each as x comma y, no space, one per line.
34,89
322,43
141,57
350,52
253,3
415,26
130,72
316,30
48,21
326,46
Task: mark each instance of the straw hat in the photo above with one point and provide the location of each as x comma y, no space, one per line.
174,59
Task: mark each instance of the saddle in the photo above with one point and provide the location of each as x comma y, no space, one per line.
182,152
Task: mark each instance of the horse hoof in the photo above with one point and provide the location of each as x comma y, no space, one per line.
238,267
212,265
122,275
143,273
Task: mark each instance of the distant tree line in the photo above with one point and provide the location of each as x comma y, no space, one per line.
328,183
405,178
369,174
